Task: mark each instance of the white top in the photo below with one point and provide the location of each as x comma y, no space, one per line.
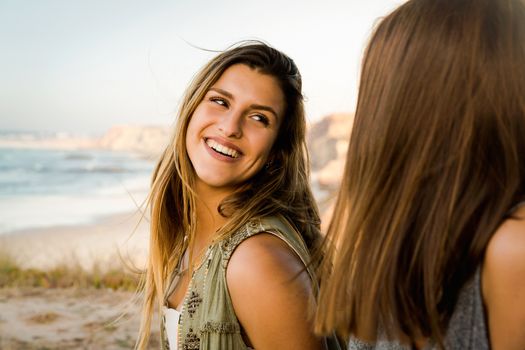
171,325
172,316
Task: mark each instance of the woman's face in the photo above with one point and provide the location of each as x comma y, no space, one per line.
233,129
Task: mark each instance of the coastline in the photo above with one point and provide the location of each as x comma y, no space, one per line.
90,245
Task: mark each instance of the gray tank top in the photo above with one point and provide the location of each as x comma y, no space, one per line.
466,330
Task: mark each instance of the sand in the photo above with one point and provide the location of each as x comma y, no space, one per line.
73,318
102,242
68,319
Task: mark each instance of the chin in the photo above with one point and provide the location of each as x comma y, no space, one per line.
217,184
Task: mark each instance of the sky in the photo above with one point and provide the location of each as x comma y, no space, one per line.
84,66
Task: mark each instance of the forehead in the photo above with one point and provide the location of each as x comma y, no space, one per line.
247,84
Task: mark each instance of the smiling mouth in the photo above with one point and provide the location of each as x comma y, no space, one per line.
225,151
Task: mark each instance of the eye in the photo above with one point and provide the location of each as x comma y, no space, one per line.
261,118
219,100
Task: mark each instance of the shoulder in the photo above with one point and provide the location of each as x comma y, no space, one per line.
259,258
264,255
278,234
503,283
505,254
271,294
260,249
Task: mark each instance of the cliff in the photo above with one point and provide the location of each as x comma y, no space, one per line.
148,140
145,140
327,142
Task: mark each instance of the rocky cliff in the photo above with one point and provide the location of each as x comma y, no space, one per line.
148,140
327,142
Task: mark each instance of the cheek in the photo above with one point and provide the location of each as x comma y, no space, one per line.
192,136
199,120
266,145
195,125
193,120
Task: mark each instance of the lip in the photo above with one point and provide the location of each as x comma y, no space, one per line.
218,155
224,143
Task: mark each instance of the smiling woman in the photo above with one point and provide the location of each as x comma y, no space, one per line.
233,129
233,219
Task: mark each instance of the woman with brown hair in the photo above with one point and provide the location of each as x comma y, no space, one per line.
428,236
233,218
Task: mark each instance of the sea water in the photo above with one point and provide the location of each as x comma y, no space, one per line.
44,187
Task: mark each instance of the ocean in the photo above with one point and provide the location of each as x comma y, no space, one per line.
47,187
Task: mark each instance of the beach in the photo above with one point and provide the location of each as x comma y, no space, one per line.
75,317
100,243
43,318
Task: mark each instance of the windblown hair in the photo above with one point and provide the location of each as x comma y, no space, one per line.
435,162
282,188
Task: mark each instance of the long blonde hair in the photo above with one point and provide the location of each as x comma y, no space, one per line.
282,187
434,163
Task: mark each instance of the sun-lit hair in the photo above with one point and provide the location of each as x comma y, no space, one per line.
434,163
282,187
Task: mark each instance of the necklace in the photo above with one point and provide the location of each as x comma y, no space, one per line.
197,259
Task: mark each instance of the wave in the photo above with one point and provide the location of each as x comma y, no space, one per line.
33,212
78,156
43,169
103,169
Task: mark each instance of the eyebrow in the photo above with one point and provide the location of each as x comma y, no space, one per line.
254,105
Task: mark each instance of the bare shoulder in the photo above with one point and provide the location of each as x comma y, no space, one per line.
271,294
506,249
503,284
260,255
264,264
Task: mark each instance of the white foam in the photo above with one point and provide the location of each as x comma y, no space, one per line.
137,184
27,212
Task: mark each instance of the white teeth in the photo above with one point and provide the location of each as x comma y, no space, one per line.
222,149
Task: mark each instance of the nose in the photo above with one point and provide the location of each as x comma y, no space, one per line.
231,124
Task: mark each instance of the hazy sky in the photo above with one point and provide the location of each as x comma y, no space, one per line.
83,66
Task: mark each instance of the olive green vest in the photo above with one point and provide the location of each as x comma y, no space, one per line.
208,320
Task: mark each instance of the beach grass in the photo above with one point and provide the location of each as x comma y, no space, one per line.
116,275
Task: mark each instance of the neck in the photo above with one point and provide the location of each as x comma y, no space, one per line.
208,218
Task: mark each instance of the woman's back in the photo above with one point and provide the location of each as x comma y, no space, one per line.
434,164
467,329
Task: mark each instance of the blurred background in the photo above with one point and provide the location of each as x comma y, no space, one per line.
88,92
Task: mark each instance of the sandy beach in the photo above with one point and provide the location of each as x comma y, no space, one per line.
68,319
85,245
73,318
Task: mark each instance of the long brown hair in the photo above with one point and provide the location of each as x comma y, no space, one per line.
282,187
434,163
